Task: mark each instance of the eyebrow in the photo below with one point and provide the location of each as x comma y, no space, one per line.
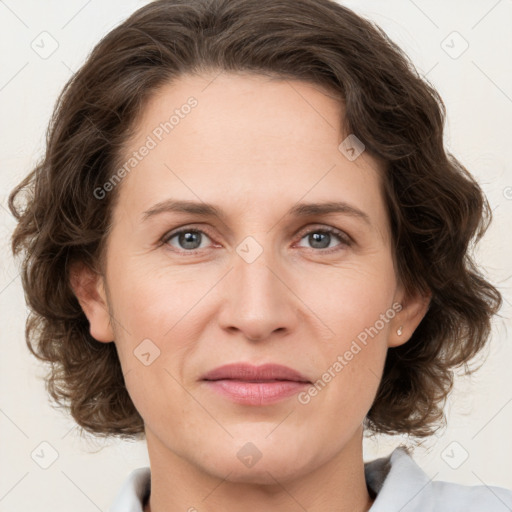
299,210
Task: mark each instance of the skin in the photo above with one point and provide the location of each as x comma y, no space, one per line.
254,147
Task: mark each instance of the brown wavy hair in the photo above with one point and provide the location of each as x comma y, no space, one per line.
436,209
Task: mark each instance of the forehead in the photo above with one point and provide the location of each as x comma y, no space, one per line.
243,139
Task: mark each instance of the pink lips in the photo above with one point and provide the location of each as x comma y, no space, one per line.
255,385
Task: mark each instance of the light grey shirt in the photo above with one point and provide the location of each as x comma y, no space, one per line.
397,481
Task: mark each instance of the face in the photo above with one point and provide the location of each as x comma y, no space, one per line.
263,279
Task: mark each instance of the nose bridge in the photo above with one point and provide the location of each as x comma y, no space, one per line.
255,269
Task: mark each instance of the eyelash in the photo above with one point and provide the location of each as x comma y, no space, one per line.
345,240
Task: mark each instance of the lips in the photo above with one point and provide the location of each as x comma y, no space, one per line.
249,385
250,373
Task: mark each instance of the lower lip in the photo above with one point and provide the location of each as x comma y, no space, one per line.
256,393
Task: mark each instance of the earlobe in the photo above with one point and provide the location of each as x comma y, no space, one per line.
89,289
414,309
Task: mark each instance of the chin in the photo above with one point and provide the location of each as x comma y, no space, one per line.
277,466
259,474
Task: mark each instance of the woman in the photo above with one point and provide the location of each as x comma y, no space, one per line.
247,244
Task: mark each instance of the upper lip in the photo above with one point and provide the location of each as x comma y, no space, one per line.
249,372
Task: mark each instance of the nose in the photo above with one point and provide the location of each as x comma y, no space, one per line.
260,299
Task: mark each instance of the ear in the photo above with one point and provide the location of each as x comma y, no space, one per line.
88,287
414,308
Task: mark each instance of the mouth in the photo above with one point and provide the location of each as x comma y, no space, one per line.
255,385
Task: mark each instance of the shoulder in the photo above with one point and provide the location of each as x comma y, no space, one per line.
401,484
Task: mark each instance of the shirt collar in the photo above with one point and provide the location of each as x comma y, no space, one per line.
133,492
399,483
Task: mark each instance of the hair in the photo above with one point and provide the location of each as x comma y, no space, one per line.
436,209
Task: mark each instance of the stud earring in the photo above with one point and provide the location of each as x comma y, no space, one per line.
399,331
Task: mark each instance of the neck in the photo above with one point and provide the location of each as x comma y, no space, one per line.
339,484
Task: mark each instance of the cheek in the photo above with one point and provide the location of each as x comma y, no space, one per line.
355,305
150,301
350,297
349,374
152,342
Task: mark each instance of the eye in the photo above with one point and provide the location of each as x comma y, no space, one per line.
188,239
321,238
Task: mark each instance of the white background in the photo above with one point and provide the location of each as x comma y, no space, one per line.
477,90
